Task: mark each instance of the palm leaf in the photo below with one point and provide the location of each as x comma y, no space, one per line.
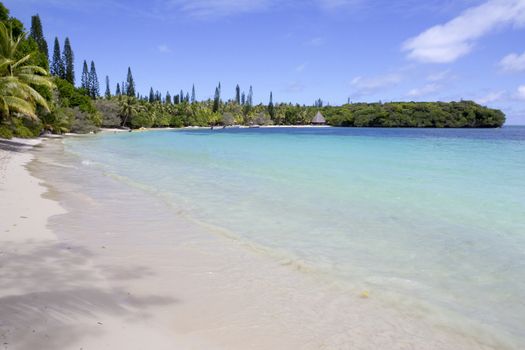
34,79
21,106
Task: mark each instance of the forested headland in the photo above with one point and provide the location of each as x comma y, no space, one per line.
39,93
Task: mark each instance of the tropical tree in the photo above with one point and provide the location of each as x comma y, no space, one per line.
128,108
130,84
57,64
37,34
68,62
18,79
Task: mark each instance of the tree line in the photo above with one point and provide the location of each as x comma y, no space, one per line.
39,93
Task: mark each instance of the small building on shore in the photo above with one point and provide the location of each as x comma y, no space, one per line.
318,119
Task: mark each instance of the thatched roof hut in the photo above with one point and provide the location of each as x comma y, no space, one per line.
318,119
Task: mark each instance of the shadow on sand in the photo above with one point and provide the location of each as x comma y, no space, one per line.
51,296
14,146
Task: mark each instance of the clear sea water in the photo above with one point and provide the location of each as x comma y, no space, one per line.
426,218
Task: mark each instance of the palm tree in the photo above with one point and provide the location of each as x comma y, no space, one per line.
129,107
17,78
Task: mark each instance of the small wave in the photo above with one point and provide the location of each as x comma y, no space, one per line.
56,164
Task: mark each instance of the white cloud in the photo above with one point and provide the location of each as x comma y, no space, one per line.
318,41
221,8
521,92
218,8
368,85
204,9
337,4
163,48
513,62
491,97
424,90
301,67
447,42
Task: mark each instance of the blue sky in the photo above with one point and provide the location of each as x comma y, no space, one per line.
365,50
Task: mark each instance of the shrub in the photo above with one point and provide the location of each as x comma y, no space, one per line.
109,112
81,122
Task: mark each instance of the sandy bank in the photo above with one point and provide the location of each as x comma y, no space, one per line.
51,294
23,213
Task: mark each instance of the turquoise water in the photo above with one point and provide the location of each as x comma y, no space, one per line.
428,219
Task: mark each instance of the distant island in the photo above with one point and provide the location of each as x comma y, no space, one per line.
38,94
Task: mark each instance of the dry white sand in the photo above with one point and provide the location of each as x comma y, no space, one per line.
89,289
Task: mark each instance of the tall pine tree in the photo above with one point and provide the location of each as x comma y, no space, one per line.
243,98
151,95
238,94
108,91
57,64
37,34
193,99
216,100
84,80
168,98
249,100
271,108
69,62
130,84
117,91
94,86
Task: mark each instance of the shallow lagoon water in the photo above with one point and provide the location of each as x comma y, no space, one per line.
432,220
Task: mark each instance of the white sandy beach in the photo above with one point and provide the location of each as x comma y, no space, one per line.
87,288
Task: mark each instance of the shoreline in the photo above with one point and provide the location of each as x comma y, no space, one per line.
185,290
21,193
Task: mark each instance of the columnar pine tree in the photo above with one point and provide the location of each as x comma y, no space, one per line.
187,98
94,86
181,96
69,62
243,98
84,80
271,108
176,99
216,100
117,91
108,91
130,84
151,95
37,34
193,99
57,65
168,98
249,100
238,94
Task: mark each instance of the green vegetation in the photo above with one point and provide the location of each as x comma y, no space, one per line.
19,81
464,114
40,95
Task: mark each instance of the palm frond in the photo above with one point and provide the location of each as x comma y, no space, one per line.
34,79
21,61
21,106
18,77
